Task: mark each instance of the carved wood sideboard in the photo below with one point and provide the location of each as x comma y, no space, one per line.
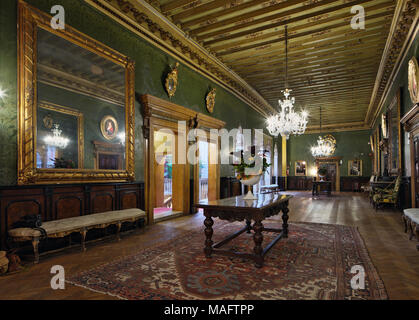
55,202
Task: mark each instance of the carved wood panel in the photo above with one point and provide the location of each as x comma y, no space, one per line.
59,202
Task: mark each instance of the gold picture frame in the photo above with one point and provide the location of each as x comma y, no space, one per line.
413,75
384,125
80,125
210,100
300,168
30,20
355,168
109,127
172,81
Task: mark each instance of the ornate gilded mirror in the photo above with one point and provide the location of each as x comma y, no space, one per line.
76,106
395,148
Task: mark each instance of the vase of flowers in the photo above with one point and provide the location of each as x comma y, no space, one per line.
247,172
322,172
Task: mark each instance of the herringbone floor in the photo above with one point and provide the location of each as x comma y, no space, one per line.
394,256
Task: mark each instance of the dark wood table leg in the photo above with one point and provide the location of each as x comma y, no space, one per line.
258,239
208,235
285,211
249,226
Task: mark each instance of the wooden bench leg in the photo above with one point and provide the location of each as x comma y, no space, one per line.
83,239
118,231
417,234
35,244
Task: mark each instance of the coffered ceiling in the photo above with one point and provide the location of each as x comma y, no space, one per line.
331,65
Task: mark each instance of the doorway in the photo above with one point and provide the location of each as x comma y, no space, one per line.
207,185
333,170
167,193
164,146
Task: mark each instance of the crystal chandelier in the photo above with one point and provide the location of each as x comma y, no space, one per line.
56,140
326,145
288,121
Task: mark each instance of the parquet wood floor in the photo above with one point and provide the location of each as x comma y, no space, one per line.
394,256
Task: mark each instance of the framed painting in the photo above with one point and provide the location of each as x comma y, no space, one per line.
300,168
413,72
355,168
109,127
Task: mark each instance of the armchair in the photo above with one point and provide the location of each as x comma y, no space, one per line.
388,195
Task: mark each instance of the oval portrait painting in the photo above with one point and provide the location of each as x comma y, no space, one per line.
413,80
109,127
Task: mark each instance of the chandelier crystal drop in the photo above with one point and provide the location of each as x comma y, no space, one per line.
288,121
56,140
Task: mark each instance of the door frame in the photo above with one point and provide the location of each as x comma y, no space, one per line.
158,113
196,171
332,160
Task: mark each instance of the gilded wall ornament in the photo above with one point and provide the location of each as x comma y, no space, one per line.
171,81
211,100
414,80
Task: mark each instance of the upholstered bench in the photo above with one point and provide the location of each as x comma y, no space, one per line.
411,222
63,227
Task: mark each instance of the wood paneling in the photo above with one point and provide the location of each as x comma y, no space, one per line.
54,202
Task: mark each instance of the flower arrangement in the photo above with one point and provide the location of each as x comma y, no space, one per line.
248,161
62,163
322,171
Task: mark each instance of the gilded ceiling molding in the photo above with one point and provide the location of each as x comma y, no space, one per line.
146,21
401,36
339,127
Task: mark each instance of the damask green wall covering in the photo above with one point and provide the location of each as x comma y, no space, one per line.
8,82
350,146
151,68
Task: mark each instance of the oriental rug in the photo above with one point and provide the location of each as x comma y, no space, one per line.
314,262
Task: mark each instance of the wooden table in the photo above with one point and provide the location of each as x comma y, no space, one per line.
238,209
318,184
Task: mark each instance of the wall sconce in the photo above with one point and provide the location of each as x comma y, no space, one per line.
340,162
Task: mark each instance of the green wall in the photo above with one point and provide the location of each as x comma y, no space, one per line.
8,82
401,83
151,67
350,146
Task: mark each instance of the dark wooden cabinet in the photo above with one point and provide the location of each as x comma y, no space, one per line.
54,202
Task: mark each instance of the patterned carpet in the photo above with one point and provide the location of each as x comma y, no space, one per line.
313,263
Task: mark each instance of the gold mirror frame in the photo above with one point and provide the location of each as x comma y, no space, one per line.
172,76
395,108
80,120
29,20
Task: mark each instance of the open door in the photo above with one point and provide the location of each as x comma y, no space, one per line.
207,172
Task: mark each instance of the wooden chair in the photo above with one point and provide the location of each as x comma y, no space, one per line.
387,195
